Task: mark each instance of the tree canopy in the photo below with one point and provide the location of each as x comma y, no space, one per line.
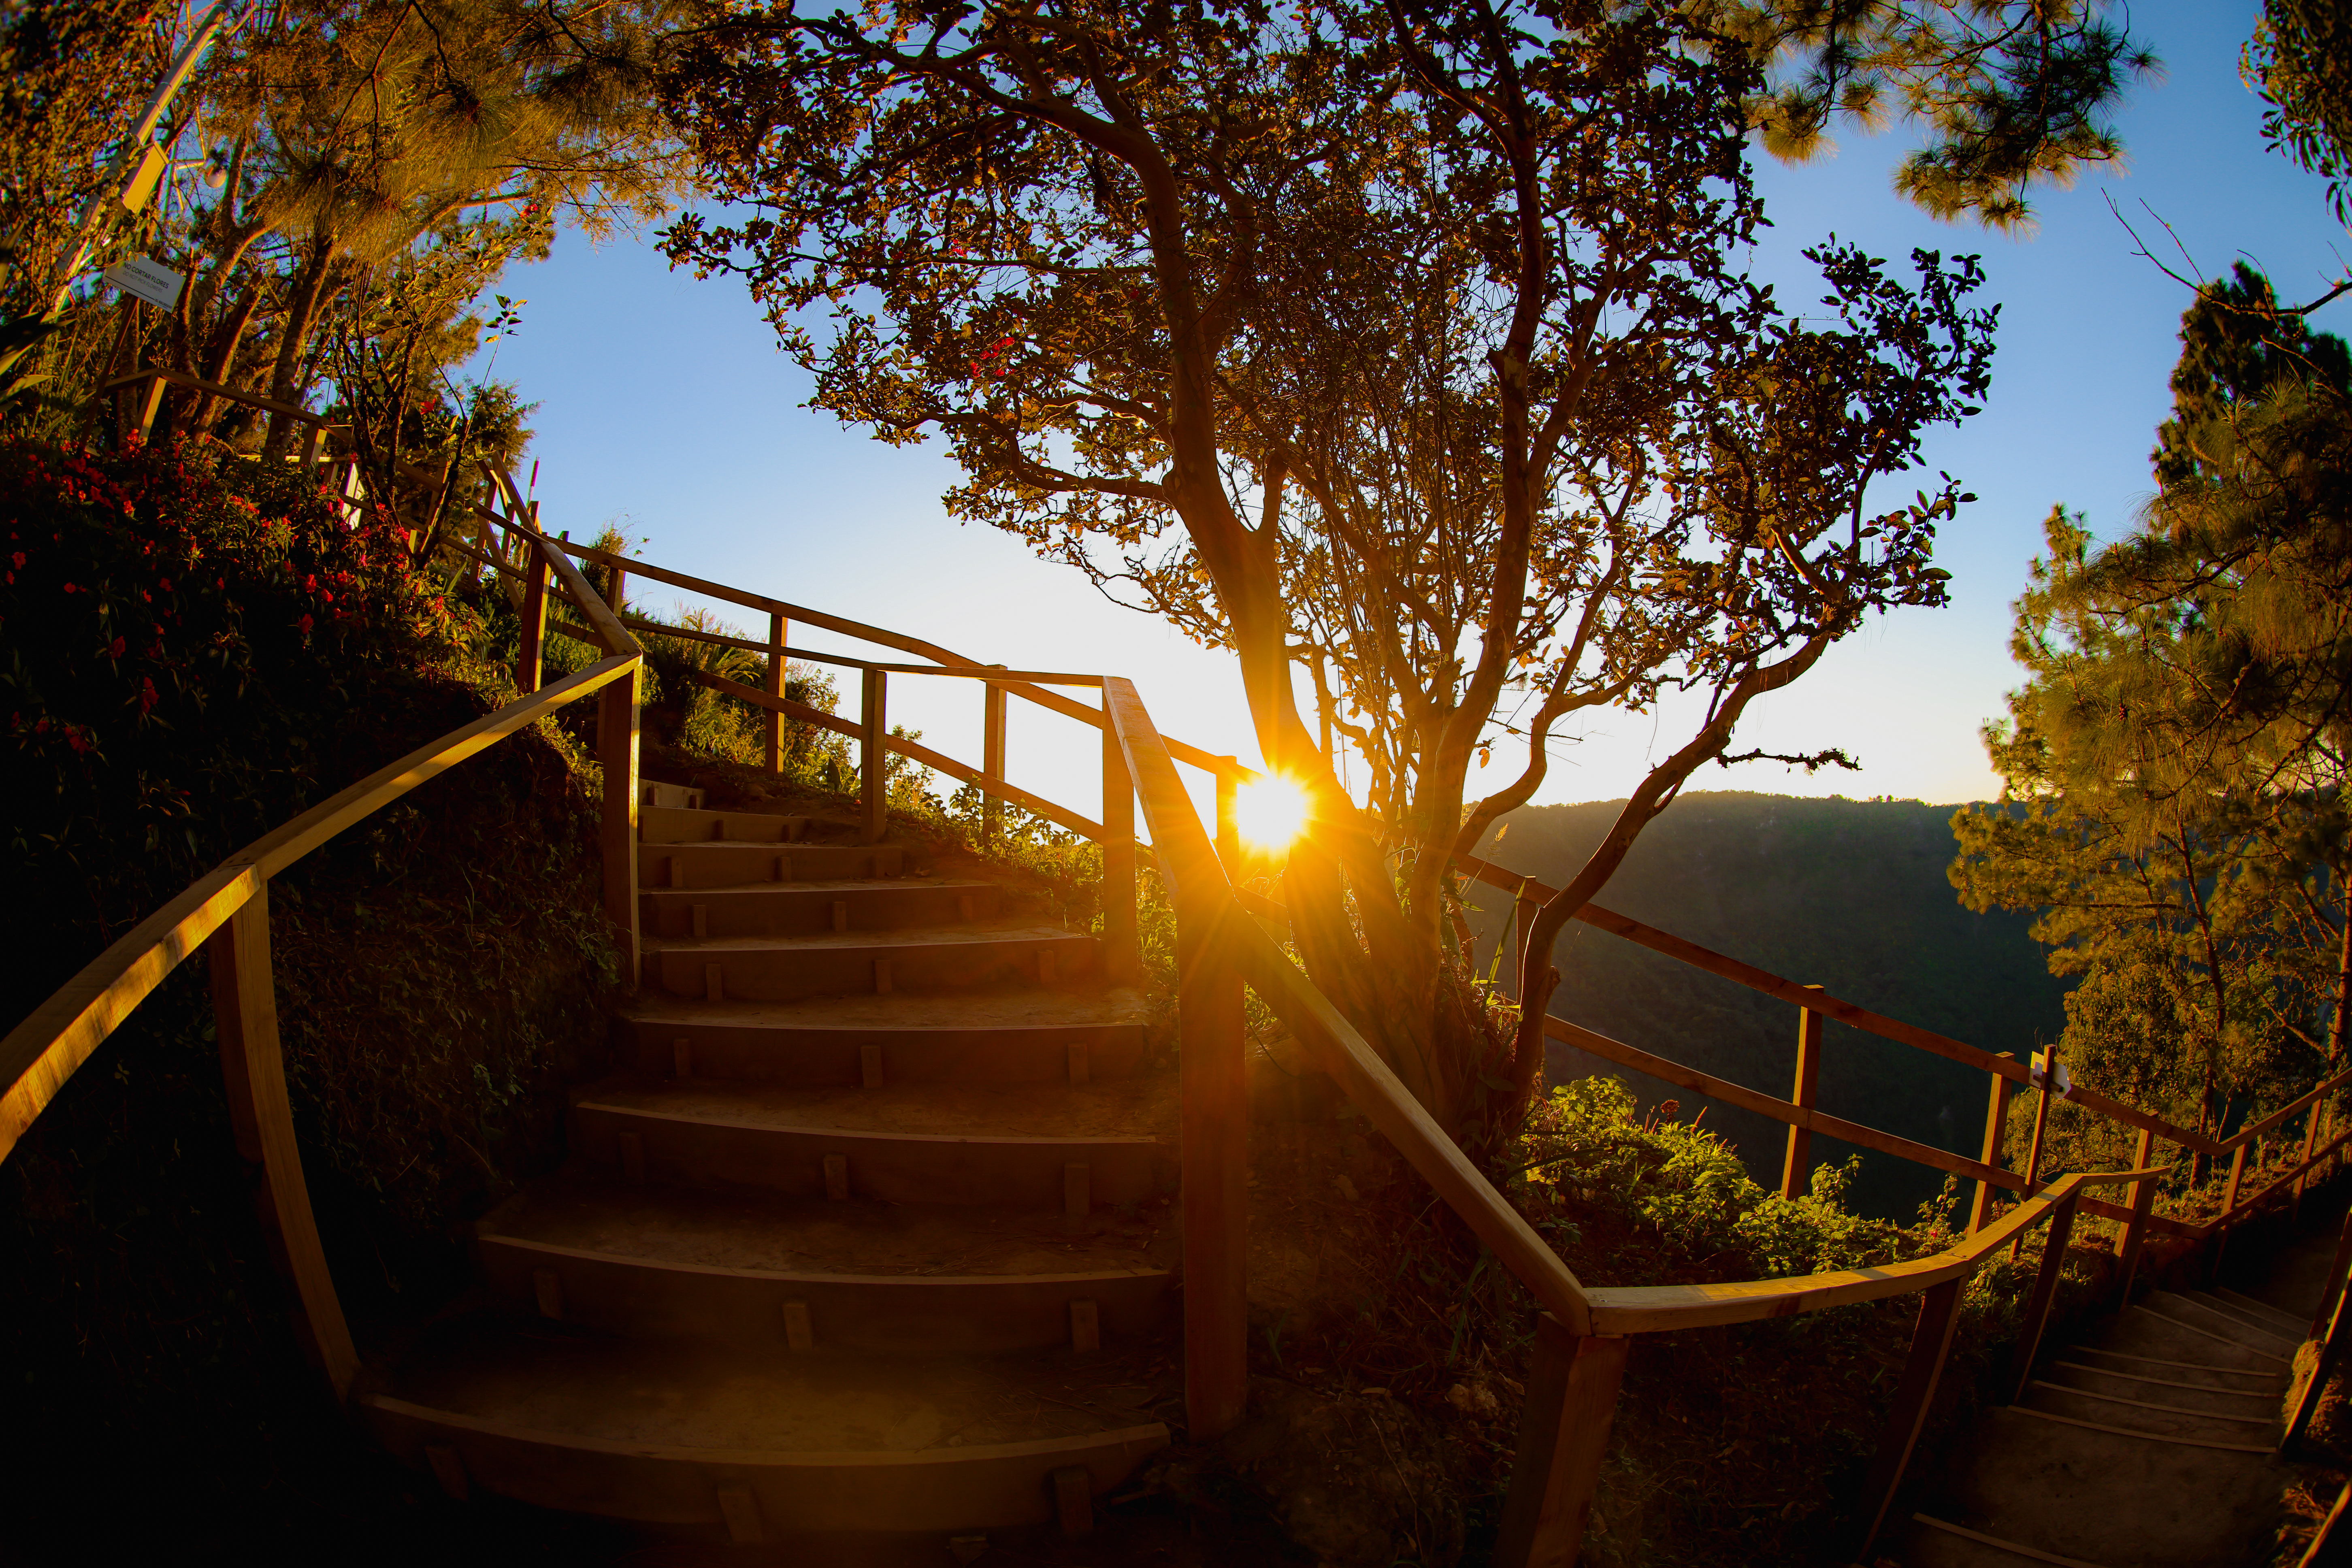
1401,349
2176,760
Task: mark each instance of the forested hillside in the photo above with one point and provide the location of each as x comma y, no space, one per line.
1846,894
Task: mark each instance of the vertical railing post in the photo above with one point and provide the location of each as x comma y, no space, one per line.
1122,953
530,660
1213,1143
1229,832
873,756
1931,1341
1995,1128
1571,1402
2229,1207
151,406
775,687
2331,1349
253,1067
1796,1163
2136,1227
616,748
992,760
2334,1286
2302,1176
1524,910
2045,1292
2040,1128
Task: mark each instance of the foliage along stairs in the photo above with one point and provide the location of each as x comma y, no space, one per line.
2149,1445
859,1242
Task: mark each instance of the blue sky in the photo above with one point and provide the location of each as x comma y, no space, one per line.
665,408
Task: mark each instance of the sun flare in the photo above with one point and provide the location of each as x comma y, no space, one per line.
1270,812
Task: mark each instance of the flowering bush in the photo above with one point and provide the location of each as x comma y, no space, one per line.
190,636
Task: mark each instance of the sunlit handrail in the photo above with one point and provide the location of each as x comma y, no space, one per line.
1663,1309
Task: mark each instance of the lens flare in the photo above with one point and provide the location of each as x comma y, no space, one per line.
1270,812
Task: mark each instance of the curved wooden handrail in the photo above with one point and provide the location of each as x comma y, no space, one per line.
1663,1308
43,1051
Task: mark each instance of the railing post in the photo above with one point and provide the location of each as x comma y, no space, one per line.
992,761
1229,832
775,685
2229,1207
2335,1269
1996,1127
2331,1348
1213,1143
253,1068
151,406
1523,920
1563,1437
2041,1127
530,660
2045,1292
1931,1341
2135,1228
616,748
1122,955
2302,1176
873,756
1796,1165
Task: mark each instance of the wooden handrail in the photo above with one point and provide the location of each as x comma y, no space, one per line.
1822,1002
41,1052
235,394
966,671
1663,1309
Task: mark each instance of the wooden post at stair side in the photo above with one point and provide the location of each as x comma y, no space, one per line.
873,756
1931,1343
2049,1087
2302,1177
1524,910
149,406
992,760
1996,1128
2045,1292
1228,830
775,687
2335,1274
253,1067
1797,1163
2135,1228
1122,954
2331,1350
616,748
531,661
2229,1208
1563,1437
1213,1143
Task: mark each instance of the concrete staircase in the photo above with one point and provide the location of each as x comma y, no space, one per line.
867,1240
2146,1446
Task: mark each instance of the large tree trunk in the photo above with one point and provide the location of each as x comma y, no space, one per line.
302,314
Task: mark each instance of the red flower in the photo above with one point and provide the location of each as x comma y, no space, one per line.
70,588
147,697
114,648
303,625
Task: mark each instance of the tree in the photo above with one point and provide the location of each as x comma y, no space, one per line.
2295,60
1401,342
2174,768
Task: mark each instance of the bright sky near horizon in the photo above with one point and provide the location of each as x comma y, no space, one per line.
665,408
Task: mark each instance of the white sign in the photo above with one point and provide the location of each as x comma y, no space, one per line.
2041,1066
159,286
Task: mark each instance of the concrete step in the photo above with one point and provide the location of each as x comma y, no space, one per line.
2069,1488
2217,1327
2163,1385
2262,1327
2263,1312
2149,1410
654,793
2145,1329
1056,1147
838,963
811,909
1022,1034
1928,1541
2203,1372
765,1272
681,825
737,865
775,1447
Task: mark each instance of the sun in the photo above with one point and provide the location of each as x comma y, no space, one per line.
1270,812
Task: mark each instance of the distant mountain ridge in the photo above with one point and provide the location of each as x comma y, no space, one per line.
1850,895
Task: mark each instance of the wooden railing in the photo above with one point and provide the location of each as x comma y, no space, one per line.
1223,945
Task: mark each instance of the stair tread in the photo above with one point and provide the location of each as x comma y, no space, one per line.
822,885
2261,1321
973,934
1003,1008
803,1236
1139,1110
2262,1310
546,1378
2201,1318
